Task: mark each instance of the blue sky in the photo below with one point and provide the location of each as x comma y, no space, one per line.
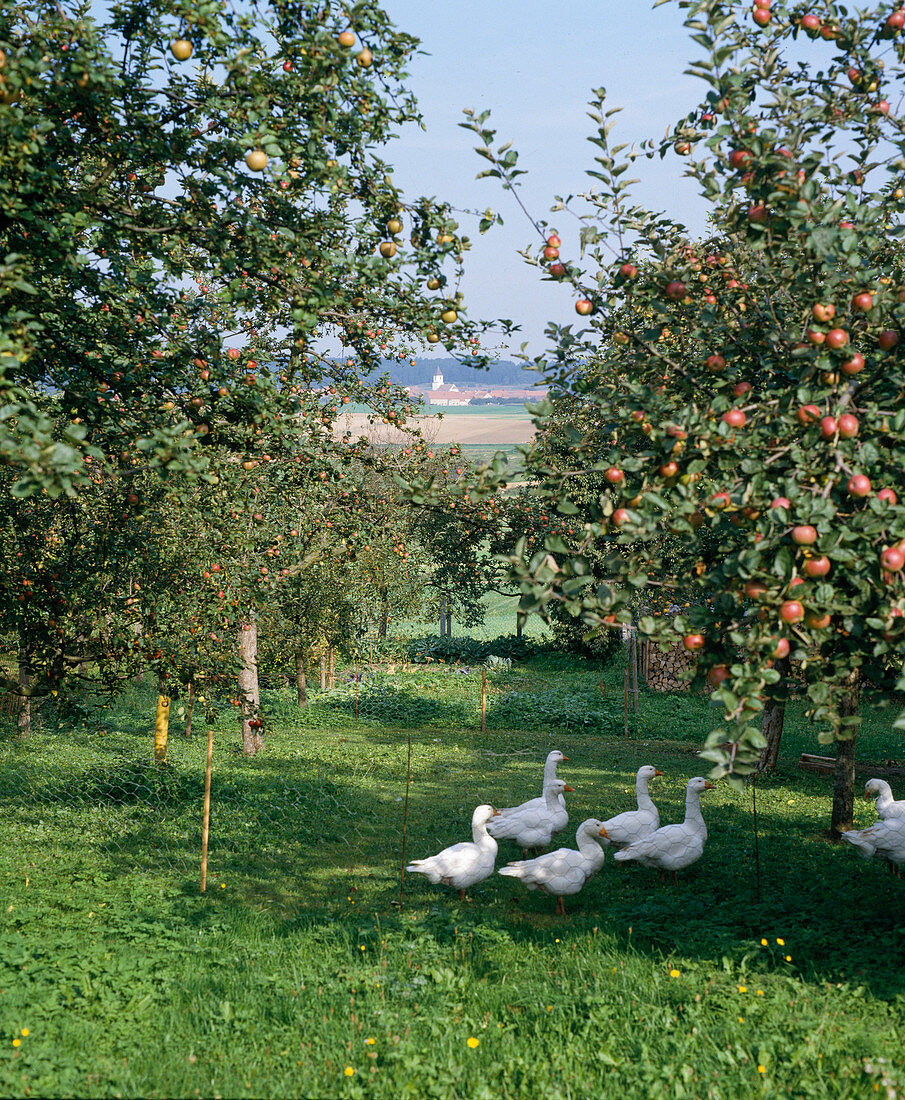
534,64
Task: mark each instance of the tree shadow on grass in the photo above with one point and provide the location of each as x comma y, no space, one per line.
308,835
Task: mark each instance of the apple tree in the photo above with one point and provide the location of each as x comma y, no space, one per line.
747,386
196,215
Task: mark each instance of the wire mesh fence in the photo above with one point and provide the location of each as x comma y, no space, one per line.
318,795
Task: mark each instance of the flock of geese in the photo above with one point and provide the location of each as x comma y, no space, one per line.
633,835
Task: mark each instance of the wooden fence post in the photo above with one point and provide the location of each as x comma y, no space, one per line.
206,817
483,699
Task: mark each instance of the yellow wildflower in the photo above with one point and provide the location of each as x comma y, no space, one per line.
764,942
743,989
780,941
25,1032
370,1042
674,973
472,1041
761,1069
348,1071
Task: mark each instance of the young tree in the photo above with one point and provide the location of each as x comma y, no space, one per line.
748,387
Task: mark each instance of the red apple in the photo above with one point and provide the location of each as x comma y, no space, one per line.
739,157
781,648
761,16
614,475
669,469
817,567
810,23
804,534
755,590
859,485
888,495
716,363
553,241
551,253
717,675
815,621
828,427
815,336
620,516
823,312
583,307
791,611
863,300
808,414
854,365
693,641
741,388
675,290
888,339
836,338
758,213
557,270
895,21
892,559
848,426
735,418
720,500
780,502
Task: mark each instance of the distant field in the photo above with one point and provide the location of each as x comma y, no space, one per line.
465,426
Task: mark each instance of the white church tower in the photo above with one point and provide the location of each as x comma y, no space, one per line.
438,380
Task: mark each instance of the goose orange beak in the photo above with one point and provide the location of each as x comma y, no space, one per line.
867,796
657,771
708,786
603,831
564,756
568,788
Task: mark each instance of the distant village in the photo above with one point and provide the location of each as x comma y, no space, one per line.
441,393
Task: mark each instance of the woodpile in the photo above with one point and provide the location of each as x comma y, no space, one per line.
666,671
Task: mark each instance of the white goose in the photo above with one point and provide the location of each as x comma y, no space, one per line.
530,825
566,870
887,806
553,758
885,839
462,865
674,846
626,828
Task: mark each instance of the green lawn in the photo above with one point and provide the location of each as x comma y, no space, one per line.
299,965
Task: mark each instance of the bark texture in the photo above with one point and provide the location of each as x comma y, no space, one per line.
301,680
772,722
249,692
189,709
844,775
23,717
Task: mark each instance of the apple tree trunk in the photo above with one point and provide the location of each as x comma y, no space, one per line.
331,668
23,716
189,709
844,775
301,681
384,621
249,692
772,721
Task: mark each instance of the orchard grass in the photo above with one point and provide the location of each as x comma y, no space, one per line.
298,974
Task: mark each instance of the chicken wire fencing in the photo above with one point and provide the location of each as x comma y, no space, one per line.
88,779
